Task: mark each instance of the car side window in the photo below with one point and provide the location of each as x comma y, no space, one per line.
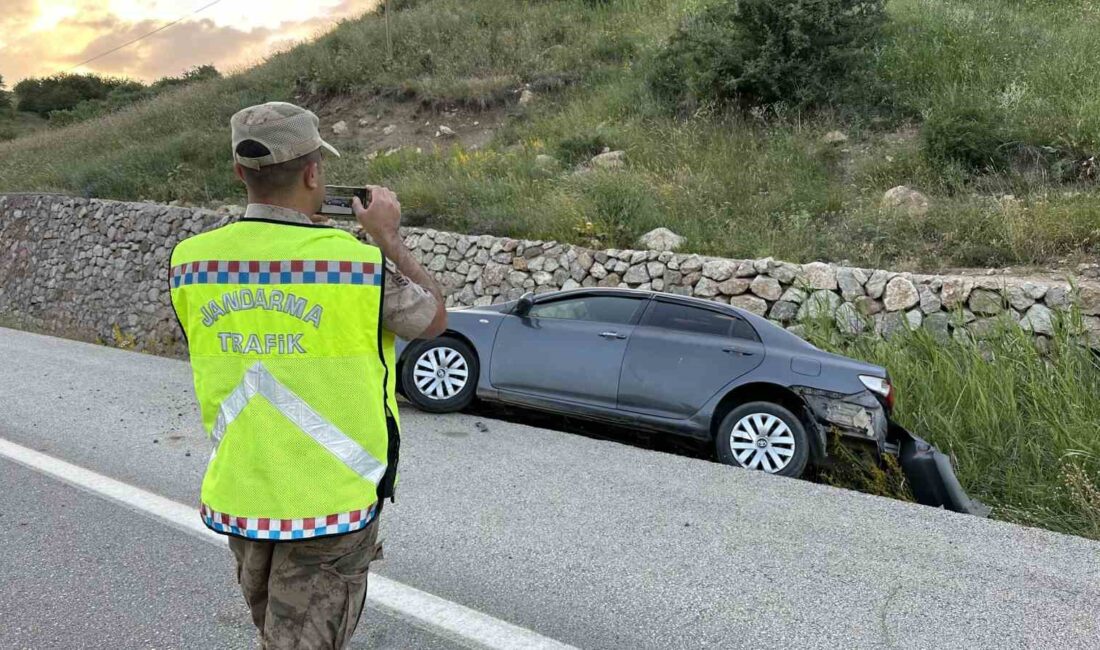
601,309
683,318
742,330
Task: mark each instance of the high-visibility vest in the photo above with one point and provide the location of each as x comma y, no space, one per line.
294,374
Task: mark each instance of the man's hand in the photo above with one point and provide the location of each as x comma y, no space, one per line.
382,217
381,220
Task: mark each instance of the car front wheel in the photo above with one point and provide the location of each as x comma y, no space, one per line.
440,375
764,436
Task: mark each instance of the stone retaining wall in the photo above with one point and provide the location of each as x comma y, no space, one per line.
97,270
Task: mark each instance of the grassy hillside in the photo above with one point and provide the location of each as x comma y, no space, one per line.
15,125
738,184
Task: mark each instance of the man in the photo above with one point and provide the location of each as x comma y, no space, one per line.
290,327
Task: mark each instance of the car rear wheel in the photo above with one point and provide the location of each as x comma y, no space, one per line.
440,375
764,436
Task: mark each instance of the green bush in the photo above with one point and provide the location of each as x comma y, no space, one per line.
753,52
968,134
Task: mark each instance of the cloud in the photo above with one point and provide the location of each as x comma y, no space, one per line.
17,12
168,52
15,17
92,30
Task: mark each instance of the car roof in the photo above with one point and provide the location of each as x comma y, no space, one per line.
638,293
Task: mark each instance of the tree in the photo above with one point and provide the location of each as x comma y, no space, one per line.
5,96
753,52
191,75
64,91
69,98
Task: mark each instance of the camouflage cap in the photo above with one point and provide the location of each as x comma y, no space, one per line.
288,132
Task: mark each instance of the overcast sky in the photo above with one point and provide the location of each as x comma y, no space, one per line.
43,37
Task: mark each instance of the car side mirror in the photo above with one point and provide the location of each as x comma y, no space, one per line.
524,305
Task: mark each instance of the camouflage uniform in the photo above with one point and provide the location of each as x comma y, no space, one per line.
306,594
310,593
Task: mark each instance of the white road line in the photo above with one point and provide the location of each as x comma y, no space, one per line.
443,617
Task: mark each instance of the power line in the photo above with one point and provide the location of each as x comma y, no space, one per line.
145,36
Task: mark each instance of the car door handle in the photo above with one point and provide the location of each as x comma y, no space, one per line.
740,353
612,335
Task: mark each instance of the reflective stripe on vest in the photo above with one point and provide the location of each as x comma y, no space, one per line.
258,381
276,272
284,529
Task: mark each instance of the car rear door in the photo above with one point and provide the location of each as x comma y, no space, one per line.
570,349
682,355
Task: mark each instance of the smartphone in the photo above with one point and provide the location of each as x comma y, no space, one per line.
337,201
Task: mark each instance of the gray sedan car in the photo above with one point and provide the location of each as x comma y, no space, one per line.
766,399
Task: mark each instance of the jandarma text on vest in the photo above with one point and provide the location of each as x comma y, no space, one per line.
274,300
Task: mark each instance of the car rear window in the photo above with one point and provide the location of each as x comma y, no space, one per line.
697,320
601,309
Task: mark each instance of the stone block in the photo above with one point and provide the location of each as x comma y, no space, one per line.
850,321
783,312
719,270
734,286
636,274
766,287
750,304
956,292
986,303
851,283
901,294
930,302
820,304
1038,319
795,295
818,275
939,326
706,288
876,284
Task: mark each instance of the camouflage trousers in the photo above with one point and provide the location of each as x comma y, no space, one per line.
307,594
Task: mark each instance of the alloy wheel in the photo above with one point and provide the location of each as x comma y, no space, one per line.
762,441
441,373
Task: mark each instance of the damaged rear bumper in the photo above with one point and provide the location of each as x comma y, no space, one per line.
930,474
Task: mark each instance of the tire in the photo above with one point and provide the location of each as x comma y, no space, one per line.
432,375
784,433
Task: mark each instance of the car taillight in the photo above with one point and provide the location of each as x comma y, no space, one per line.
882,387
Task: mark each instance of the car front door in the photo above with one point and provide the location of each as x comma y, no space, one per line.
567,349
682,355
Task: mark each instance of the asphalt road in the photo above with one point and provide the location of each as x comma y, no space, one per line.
592,543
